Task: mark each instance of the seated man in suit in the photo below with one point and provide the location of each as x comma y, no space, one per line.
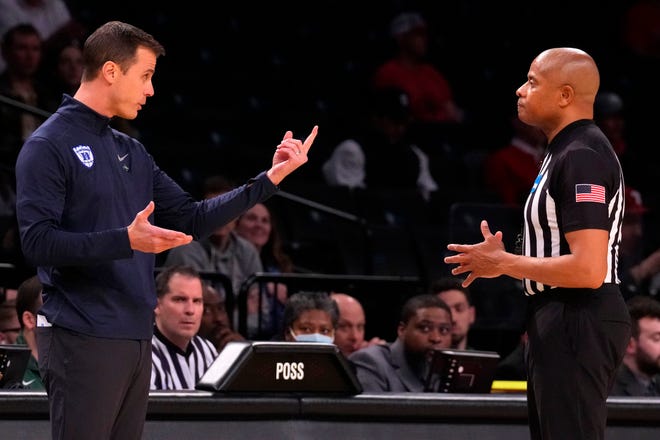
402,365
639,374
349,336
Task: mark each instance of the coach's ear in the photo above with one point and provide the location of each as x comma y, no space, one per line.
110,71
29,320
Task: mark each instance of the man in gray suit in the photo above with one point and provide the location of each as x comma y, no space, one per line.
401,366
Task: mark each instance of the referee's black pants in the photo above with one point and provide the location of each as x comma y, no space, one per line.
98,388
577,339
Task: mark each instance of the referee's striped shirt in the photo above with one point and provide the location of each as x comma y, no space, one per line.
580,186
173,369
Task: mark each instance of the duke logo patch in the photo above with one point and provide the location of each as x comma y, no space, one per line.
85,155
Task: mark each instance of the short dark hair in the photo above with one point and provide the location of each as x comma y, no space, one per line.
450,283
116,41
163,278
640,306
422,301
302,301
28,298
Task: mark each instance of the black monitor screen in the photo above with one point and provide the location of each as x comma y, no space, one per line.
461,371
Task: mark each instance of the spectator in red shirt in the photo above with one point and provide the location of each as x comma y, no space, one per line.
431,97
510,171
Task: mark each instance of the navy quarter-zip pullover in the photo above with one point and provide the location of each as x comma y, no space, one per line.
80,183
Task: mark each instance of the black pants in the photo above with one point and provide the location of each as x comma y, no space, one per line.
98,388
577,338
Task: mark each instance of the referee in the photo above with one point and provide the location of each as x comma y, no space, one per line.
179,356
578,323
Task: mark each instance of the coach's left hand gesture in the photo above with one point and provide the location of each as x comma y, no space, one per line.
289,155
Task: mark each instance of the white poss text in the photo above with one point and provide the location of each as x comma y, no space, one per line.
289,371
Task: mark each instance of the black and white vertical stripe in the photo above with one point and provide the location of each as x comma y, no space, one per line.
542,234
171,369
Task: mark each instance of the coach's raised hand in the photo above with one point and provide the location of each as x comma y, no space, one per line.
289,155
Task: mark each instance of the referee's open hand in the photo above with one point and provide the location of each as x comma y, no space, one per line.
479,260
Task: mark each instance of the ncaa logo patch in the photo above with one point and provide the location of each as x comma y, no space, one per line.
536,182
85,155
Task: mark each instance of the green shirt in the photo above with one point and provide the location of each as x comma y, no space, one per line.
31,378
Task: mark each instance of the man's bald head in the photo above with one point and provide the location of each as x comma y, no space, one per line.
561,88
573,67
347,302
349,336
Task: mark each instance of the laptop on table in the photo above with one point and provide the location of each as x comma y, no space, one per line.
461,371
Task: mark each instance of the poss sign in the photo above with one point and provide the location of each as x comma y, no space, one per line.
280,367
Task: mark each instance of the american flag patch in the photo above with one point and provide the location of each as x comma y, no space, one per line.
587,192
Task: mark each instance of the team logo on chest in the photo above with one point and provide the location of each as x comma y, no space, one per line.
85,155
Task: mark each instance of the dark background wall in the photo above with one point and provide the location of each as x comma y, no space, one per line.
238,74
